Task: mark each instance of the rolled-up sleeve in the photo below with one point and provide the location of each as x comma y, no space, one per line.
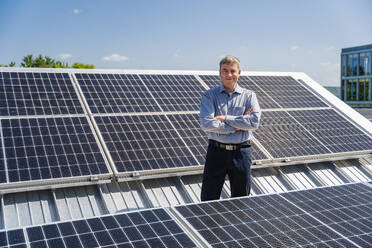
207,121
246,122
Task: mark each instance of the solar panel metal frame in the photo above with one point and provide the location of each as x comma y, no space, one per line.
40,184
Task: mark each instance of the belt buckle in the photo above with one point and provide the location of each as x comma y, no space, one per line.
229,147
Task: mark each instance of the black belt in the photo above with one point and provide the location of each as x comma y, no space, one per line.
230,147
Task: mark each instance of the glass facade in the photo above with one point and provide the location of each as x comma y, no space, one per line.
356,74
363,90
351,90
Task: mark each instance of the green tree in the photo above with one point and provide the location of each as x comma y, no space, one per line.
12,64
78,65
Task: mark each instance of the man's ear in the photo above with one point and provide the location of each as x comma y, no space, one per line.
239,71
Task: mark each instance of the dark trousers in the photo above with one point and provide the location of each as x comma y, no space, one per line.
219,162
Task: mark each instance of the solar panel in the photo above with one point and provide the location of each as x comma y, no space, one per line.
12,238
116,93
149,228
33,93
345,209
287,92
143,142
265,101
333,130
50,148
175,92
293,219
283,137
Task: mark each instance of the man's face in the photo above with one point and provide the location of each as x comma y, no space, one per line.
229,74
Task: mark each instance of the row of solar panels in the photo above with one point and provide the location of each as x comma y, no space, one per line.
337,216
54,138
34,93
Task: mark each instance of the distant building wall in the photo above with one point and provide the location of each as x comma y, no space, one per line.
356,75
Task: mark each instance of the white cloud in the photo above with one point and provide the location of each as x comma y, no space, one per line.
115,58
64,56
294,47
76,11
330,66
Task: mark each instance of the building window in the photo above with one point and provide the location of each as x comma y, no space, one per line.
364,64
368,64
342,96
363,89
343,67
351,90
352,65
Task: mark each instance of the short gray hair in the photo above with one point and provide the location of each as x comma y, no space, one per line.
229,59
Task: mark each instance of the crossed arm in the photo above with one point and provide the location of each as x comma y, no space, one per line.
227,124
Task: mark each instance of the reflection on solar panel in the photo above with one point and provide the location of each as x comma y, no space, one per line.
12,238
143,142
150,228
273,221
116,93
333,130
45,148
345,209
283,137
175,92
263,99
31,93
287,92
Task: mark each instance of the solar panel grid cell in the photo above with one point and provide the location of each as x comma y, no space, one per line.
12,238
175,92
37,94
45,148
146,142
116,93
150,228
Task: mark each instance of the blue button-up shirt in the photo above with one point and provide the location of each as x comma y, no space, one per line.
238,126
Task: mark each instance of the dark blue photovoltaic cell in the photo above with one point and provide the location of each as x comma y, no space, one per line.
175,92
116,93
333,130
47,148
265,101
150,228
287,92
282,136
12,238
144,142
34,93
325,217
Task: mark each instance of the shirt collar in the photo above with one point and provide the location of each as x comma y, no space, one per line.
238,89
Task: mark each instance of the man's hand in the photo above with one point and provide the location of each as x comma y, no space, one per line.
221,118
249,111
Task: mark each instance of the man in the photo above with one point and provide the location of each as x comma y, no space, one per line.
228,115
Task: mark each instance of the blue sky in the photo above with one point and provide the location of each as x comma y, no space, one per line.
267,35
